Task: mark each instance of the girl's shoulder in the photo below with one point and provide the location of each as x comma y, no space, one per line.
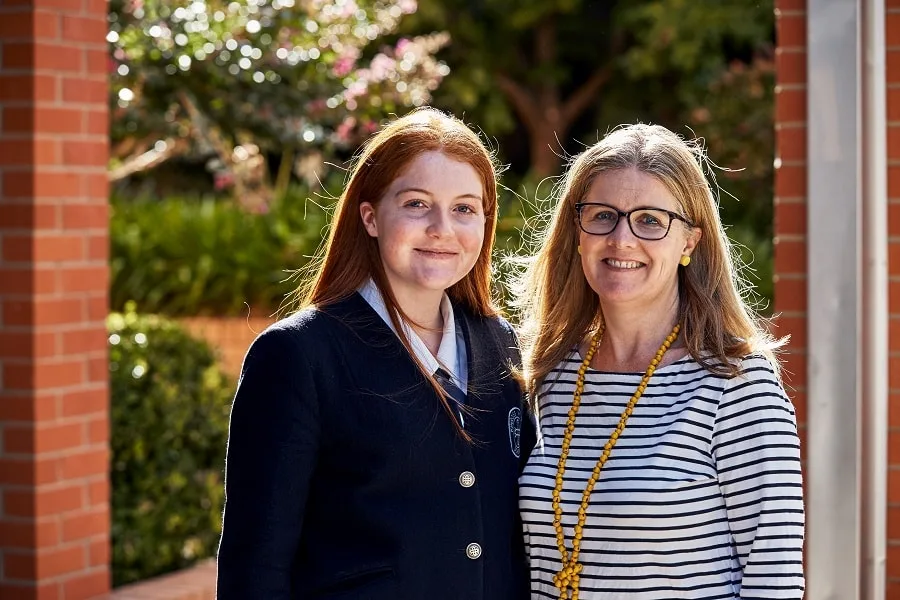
311,326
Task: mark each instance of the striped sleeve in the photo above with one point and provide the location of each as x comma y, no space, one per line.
756,451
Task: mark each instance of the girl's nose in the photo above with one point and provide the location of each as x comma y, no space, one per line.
439,223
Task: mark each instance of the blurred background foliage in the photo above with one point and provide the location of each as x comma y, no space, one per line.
197,255
232,83
243,100
169,422
545,78
232,123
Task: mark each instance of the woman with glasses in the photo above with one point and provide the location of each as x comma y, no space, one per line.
667,463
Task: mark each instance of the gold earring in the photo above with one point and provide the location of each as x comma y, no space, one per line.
685,260
579,248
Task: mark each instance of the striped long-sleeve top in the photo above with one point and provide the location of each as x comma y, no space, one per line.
701,497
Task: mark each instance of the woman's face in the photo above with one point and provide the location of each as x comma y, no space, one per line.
623,269
429,225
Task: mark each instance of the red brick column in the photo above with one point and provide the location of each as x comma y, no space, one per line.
892,38
790,196
54,508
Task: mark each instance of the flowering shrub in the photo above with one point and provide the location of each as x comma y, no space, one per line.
206,76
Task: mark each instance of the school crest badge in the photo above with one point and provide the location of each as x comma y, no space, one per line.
515,430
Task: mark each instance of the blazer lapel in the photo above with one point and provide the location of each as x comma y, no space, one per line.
485,360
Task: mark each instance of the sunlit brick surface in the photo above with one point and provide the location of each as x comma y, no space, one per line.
54,423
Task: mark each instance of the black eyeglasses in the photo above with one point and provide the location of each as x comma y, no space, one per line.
646,223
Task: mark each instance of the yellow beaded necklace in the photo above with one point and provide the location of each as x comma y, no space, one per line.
570,574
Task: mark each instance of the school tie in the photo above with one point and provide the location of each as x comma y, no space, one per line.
453,391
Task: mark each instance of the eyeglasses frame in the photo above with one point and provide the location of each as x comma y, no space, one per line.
627,214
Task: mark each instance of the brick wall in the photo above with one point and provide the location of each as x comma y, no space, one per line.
790,231
54,515
229,337
892,9
790,196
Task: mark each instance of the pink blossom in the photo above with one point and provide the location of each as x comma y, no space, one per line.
349,9
407,6
381,67
345,129
223,180
343,66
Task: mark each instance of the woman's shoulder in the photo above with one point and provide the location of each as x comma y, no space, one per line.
757,385
753,365
756,367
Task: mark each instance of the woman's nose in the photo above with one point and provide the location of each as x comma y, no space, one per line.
621,235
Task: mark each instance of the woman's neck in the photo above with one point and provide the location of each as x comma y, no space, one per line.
631,338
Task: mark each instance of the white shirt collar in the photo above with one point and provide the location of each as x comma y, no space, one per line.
448,352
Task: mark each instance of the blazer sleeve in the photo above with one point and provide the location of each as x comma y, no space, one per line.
272,447
757,455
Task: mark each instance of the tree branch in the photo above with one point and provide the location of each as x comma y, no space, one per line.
522,101
204,132
545,58
579,101
144,161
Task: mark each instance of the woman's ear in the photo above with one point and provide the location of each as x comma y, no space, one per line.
367,214
693,238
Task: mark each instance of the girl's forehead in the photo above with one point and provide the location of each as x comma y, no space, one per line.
438,171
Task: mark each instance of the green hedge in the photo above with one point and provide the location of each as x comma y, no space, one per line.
170,406
190,256
196,256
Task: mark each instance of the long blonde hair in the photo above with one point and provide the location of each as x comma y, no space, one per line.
350,255
557,304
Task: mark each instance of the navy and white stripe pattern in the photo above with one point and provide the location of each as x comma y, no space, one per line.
701,497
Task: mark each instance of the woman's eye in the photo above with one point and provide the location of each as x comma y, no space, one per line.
465,208
605,216
649,220
415,204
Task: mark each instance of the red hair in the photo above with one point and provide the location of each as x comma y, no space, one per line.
350,255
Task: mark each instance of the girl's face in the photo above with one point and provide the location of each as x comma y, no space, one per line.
429,225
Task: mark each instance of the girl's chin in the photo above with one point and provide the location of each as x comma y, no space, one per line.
428,284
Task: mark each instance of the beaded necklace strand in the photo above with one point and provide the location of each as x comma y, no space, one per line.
570,573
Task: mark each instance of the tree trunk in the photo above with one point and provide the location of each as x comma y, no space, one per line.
545,115
546,150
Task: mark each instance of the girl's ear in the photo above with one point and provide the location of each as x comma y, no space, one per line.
367,214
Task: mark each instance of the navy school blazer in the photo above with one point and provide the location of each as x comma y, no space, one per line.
345,478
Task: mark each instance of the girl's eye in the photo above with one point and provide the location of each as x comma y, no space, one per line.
415,204
465,208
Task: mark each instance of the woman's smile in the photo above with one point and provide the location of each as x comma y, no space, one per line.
625,265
